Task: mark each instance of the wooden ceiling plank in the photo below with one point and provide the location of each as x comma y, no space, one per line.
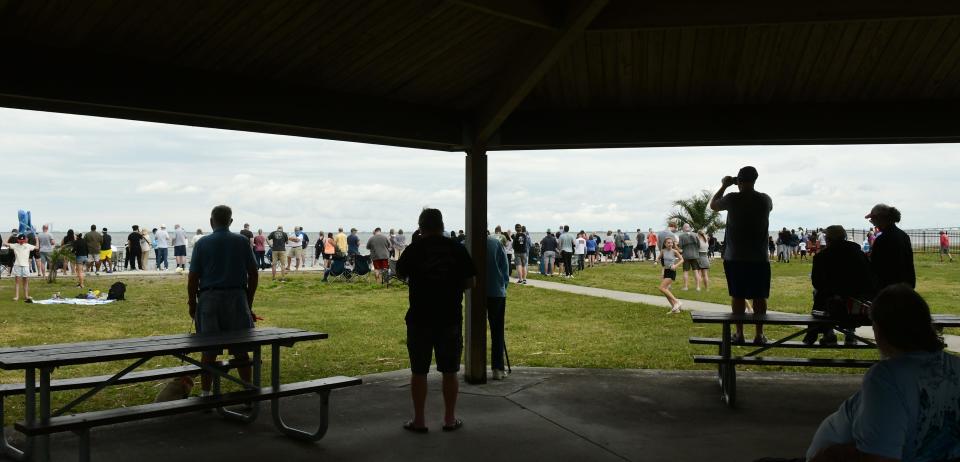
946,74
727,65
593,47
202,19
685,53
922,72
581,72
748,61
264,38
831,44
706,60
637,15
93,20
522,75
815,43
762,63
786,55
640,50
120,40
924,33
321,38
532,13
625,63
668,70
388,36
875,51
610,94
654,66
428,48
232,35
858,54
852,33
905,33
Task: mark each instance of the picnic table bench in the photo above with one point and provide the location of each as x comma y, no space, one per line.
40,421
726,362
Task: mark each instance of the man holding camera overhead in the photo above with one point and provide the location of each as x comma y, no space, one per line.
745,259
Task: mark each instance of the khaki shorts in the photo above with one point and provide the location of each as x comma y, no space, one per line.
278,258
296,252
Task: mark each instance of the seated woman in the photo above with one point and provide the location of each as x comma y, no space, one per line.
908,406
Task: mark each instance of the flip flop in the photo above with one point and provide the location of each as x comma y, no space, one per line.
408,426
456,426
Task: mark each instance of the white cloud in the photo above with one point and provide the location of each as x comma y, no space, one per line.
138,172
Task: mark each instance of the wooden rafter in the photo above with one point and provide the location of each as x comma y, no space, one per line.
522,74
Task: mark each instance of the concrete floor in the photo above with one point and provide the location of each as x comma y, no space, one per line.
537,414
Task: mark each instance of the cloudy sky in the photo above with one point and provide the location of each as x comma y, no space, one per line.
73,171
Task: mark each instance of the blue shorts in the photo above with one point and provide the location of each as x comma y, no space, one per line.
423,341
222,311
748,279
179,251
81,258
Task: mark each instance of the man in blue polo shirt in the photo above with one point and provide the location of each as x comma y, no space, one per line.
221,286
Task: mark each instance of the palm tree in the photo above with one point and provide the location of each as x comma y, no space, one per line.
696,212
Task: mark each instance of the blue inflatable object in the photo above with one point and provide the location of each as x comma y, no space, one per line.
26,225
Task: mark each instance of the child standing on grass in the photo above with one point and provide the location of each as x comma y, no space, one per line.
670,258
21,266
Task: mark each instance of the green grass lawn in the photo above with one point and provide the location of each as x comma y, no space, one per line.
790,289
367,334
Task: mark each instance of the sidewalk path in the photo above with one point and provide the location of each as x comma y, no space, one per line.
952,341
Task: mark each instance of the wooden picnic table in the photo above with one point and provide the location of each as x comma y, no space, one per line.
39,363
726,362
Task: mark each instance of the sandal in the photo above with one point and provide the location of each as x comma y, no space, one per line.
457,423
408,425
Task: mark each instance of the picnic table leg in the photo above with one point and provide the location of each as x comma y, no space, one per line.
43,442
295,433
9,450
254,411
726,370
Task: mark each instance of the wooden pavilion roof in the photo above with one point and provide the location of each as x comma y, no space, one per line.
505,74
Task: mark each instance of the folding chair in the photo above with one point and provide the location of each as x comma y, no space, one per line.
361,266
338,269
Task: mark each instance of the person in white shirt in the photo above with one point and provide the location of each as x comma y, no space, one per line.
21,266
163,242
580,249
196,237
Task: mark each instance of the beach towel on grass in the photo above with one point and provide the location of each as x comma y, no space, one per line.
72,301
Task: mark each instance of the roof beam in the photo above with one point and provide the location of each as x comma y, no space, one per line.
522,74
655,14
780,124
50,80
532,13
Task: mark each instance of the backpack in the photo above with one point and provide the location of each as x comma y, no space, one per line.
117,290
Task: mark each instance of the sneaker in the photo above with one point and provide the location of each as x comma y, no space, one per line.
674,310
736,339
848,340
828,340
809,339
499,374
760,340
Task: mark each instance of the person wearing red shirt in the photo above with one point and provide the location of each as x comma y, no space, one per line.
945,246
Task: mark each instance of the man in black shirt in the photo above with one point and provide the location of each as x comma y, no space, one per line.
438,271
278,252
840,272
134,253
106,250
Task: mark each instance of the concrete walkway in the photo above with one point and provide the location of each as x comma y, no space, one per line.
536,414
952,341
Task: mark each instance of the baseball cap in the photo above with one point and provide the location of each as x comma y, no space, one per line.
21,236
163,226
748,174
